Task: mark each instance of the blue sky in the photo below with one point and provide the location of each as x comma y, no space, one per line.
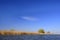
30,15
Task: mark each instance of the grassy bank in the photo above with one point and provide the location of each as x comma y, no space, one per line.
16,33
19,33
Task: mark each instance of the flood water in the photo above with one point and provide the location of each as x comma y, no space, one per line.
29,37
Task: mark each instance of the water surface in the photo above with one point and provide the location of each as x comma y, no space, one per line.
29,37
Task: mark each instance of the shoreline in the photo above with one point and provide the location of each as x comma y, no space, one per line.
23,33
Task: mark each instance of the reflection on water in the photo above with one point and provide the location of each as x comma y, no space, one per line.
30,37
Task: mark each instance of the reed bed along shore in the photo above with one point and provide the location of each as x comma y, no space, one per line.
15,33
19,33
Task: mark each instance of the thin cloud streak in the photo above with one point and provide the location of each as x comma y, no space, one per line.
30,18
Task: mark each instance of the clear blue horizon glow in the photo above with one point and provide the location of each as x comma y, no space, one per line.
30,15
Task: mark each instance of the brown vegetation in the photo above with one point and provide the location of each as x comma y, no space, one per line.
15,33
18,33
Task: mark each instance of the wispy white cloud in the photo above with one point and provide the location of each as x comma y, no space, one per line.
30,18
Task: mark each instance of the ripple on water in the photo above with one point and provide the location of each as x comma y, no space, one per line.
30,37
